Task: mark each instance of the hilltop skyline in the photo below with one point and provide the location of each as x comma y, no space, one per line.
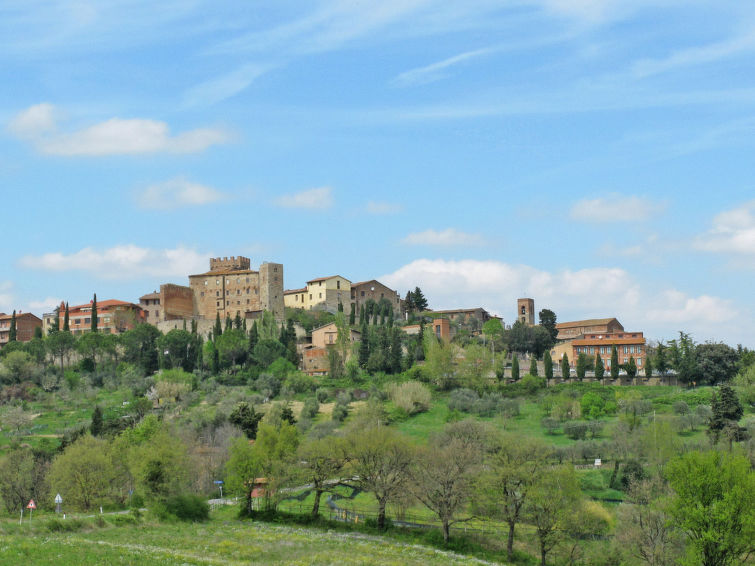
594,156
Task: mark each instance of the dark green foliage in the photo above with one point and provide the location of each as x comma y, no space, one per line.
267,351
311,408
661,360
253,336
565,371
364,346
684,359
38,332
418,300
94,313
515,368
352,315
140,347
228,323
96,427
396,356
631,368
718,362
178,349
66,322
599,368
583,363
648,367
188,507
726,412
548,365
547,319
237,321
632,472
245,417
487,405
614,362
288,415
217,330
12,331
533,366
362,315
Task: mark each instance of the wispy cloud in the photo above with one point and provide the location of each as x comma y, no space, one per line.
732,232
176,193
616,208
313,199
224,86
127,261
6,297
116,136
446,238
384,208
436,71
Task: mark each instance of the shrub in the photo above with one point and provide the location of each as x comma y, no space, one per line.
322,395
300,383
680,408
462,400
576,430
188,507
311,408
550,424
411,396
340,412
532,383
592,405
268,385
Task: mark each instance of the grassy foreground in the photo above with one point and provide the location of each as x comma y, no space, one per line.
216,542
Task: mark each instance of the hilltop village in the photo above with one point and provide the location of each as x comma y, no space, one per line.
232,292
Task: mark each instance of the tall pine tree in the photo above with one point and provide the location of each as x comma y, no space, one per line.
420,302
514,366
614,362
353,315
94,313
364,346
548,365
12,333
565,371
599,368
66,321
218,328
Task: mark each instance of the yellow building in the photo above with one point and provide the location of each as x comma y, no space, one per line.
323,293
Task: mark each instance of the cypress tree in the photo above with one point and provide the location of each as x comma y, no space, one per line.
253,337
55,327
599,368
390,316
218,328
66,323
533,366
420,302
631,368
648,368
353,314
548,365
364,347
94,313
409,302
12,332
614,362
237,321
514,366
184,325
96,427
228,323
581,366
193,326
340,306
565,373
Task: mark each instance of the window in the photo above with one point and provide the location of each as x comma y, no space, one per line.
524,310
275,269
321,295
275,278
238,279
217,293
338,283
363,293
310,296
238,302
218,303
247,280
247,301
87,321
238,291
626,349
296,299
227,303
201,294
227,293
157,314
639,362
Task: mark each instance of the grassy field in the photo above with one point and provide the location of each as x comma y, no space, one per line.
223,540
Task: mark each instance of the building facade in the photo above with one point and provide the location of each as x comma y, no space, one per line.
365,290
172,302
628,345
113,317
525,311
577,328
322,293
232,288
25,325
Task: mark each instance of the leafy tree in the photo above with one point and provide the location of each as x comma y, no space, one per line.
583,363
267,351
442,478
533,366
726,412
548,365
565,369
94,313
89,346
321,461
217,330
409,302
380,460
246,418
60,345
396,355
12,331
22,477
177,349
503,488
84,473
140,347
160,465
439,360
237,321
661,360
648,367
683,354
714,504
550,506
631,368
253,336
232,346
547,320
599,368
364,346
718,362
352,315
614,362
55,327
96,427
362,316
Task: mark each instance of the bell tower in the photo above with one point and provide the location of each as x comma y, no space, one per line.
525,311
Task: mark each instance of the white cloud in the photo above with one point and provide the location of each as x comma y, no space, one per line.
176,193
319,198
447,237
45,305
615,208
35,121
573,295
122,262
224,86
116,136
6,297
380,208
436,71
733,232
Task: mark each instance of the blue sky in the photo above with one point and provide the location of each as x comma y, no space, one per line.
595,155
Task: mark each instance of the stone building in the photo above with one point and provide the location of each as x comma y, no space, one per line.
113,316
231,287
25,325
322,293
525,311
373,289
628,344
570,330
172,302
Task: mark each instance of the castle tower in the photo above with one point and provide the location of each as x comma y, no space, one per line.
271,289
525,311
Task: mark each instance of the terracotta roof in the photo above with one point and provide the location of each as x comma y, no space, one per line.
607,340
4,316
294,291
589,322
226,272
100,304
449,311
326,278
154,295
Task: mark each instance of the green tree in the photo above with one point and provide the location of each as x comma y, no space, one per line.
648,367
533,366
683,354
364,346
140,347
380,460
177,349
246,418
547,320
599,368
352,315
439,360
503,488
614,362
550,506
60,345
397,354
12,331
84,473
217,330
515,368
661,360
66,321
89,346
321,461
419,300
726,411
94,313
548,365
565,371
253,336
97,421
22,477
232,346
583,363
714,504
631,368
718,362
